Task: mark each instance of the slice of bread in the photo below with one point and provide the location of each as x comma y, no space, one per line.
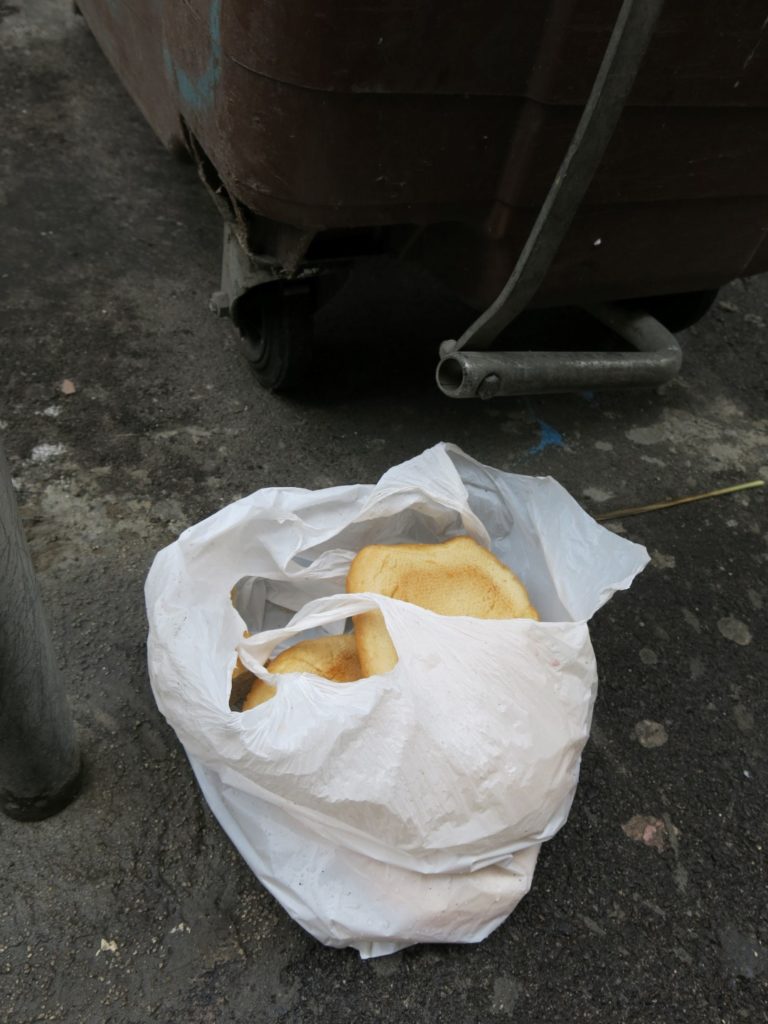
457,577
333,657
242,683
259,693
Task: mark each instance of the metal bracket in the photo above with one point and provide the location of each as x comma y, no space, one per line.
239,274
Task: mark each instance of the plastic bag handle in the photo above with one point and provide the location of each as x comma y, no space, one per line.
445,486
322,612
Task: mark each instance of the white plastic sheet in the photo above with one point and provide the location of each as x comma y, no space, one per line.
407,807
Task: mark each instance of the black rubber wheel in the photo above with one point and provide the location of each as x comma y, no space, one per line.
677,312
275,325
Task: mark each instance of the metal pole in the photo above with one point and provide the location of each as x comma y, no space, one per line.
39,757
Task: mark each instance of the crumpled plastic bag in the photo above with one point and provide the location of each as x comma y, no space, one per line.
406,807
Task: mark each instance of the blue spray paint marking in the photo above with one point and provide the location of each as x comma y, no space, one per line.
549,437
198,93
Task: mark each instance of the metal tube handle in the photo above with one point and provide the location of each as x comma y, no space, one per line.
493,374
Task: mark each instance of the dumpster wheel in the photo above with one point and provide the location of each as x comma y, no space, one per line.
275,326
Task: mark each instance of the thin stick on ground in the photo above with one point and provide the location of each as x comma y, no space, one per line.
638,510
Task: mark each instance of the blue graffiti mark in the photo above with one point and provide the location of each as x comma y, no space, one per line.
588,396
549,437
198,93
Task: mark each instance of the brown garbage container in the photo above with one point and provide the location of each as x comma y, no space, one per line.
332,130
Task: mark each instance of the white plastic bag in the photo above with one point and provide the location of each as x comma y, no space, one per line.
407,807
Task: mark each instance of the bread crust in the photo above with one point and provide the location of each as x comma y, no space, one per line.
333,657
455,577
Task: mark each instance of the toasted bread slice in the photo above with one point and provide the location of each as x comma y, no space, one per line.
242,683
333,657
260,692
457,577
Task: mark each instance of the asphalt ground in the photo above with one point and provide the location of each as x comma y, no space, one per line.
132,904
